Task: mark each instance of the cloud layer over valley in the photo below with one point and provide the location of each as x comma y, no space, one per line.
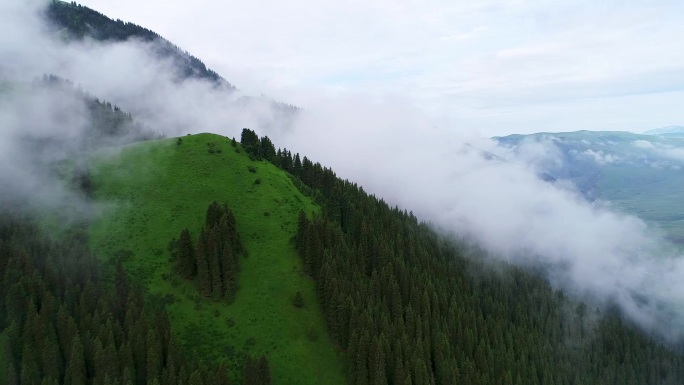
458,181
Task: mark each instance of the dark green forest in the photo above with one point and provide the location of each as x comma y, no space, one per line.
79,22
66,319
409,308
402,301
213,261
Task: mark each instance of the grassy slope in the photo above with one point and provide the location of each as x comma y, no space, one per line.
160,188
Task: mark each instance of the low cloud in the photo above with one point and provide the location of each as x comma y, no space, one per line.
600,157
585,248
40,126
661,149
643,144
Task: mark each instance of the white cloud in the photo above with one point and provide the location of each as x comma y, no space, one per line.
664,150
497,66
674,153
601,157
586,249
643,144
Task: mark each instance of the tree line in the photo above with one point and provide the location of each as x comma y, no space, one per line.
80,21
214,261
105,124
408,306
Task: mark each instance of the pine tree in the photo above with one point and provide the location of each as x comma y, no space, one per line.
217,290
203,275
221,376
298,300
51,360
250,372
154,358
186,255
264,371
196,378
248,138
266,149
297,166
30,373
229,273
75,373
11,376
213,216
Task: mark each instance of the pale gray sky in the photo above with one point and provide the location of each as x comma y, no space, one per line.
491,66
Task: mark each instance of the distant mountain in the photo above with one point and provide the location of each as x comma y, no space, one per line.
638,174
77,22
669,131
107,124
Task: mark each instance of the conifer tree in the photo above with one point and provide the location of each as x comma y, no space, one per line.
250,373
264,371
217,290
154,358
203,275
297,166
298,300
186,255
266,149
75,373
213,216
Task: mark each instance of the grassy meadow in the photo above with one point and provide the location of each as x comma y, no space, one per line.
148,192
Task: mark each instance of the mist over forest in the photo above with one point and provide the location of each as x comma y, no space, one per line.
56,86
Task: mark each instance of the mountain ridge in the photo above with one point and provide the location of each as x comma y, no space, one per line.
671,131
81,22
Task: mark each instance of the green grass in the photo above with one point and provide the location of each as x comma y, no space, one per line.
150,191
653,195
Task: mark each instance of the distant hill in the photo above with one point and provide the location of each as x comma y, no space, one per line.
669,131
638,174
107,125
78,22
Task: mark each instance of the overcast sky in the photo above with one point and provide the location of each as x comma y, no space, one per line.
488,66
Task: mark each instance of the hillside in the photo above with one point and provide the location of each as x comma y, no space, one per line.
149,192
399,300
76,22
405,304
302,277
669,131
